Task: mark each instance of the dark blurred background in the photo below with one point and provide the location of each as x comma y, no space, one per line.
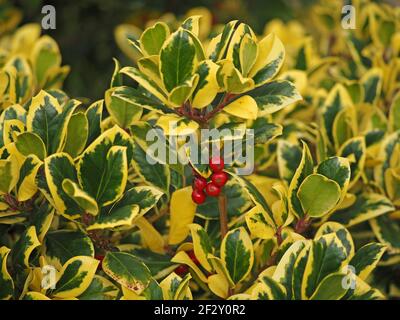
85,29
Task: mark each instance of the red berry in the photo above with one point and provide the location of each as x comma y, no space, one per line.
216,164
212,189
100,258
199,183
219,178
181,270
198,196
193,257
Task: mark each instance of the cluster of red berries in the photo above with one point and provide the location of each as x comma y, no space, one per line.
201,187
183,269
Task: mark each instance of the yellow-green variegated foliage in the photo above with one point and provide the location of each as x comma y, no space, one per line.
29,62
85,214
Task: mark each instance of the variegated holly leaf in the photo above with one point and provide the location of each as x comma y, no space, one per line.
237,254
304,169
366,206
127,270
6,282
103,167
76,276
62,245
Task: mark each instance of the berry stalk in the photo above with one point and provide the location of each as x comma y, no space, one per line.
223,214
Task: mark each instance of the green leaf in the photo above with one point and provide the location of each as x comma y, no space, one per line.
248,53
342,234
28,143
219,44
207,86
127,270
237,254
234,47
143,196
158,264
387,232
103,167
45,57
100,289
298,275
115,217
238,202
146,82
372,83
116,79
12,112
157,174
202,245
33,295
394,114
363,291
304,169
49,121
181,93
94,116
366,206
264,131
43,219
26,186
283,273
23,248
83,200
177,59
123,112
274,96
337,100
77,134
271,54
289,158
75,277
6,282
62,245
269,289
355,150
326,257
330,288
174,287
366,259
318,195
153,38
387,149
59,167
136,98
258,224
336,169
8,174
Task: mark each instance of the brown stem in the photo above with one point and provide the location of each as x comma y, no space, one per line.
187,110
15,205
223,215
99,240
302,225
278,235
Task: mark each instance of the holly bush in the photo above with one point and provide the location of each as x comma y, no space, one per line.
85,215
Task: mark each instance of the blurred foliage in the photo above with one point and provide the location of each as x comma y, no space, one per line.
85,29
